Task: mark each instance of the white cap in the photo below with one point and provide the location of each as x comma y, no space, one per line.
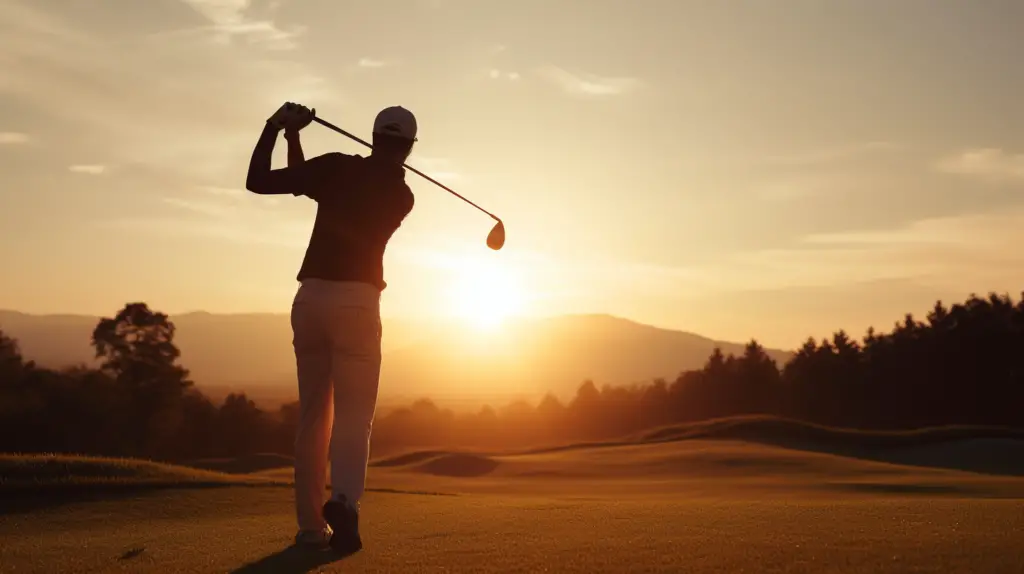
396,121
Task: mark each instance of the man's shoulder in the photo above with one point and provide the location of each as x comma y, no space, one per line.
330,163
336,157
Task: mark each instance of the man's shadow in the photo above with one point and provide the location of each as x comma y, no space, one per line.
291,560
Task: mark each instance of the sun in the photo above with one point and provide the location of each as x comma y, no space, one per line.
485,294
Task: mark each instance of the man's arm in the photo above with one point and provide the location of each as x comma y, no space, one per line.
305,178
295,155
259,163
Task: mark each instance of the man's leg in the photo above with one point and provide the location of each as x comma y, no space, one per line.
313,362
355,370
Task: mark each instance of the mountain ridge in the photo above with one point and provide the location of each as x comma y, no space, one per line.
525,359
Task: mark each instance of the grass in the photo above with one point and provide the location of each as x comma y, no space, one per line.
249,531
53,475
644,505
243,464
979,449
773,429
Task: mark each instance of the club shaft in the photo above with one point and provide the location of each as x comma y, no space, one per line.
331,126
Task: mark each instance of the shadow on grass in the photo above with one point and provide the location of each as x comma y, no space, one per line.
291,560
28,498
908,489
24,499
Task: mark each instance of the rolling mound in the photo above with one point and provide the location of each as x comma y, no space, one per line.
243,464
792,431
440,463
39,473
981,449
698,467
748,446
733,452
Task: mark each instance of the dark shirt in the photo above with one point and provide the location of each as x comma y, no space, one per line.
361,202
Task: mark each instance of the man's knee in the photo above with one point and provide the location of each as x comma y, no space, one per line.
352,421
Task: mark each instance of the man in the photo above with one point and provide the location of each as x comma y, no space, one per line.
335,315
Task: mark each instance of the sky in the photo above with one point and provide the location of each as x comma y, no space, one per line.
759,169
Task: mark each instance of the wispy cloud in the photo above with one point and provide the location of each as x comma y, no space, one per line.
93,169
66,68
12,138
228,20
496,74
221,214
371,63
946,231
956,252
201,207
585,84
953,252
990,164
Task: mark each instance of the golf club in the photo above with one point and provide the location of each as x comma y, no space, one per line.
495,239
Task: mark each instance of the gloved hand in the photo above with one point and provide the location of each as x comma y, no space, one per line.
292,117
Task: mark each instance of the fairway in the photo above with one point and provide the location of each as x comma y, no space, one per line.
691,506
248,530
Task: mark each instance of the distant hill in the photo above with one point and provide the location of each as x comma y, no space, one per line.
222,349
443,361
548,355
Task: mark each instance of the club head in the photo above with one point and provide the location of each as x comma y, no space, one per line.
496,238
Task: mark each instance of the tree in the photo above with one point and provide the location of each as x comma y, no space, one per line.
243,428
138,352
137,347
758,380
11,362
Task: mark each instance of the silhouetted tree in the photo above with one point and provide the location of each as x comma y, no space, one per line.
137,350
963,364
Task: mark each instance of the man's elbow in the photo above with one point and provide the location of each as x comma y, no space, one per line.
256,185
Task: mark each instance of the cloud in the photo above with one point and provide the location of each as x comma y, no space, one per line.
496,74
12,138
371,63
584,84
94,169
228,21
989,164
960,253
201,207
957,252
64,69
219,213
981,231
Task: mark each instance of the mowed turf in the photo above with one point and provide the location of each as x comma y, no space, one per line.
248,530
684,506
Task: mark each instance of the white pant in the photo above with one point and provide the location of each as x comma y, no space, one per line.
336,335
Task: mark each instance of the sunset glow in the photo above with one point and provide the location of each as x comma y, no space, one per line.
779,199
485,294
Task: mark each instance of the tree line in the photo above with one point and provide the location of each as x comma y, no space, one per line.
962,364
